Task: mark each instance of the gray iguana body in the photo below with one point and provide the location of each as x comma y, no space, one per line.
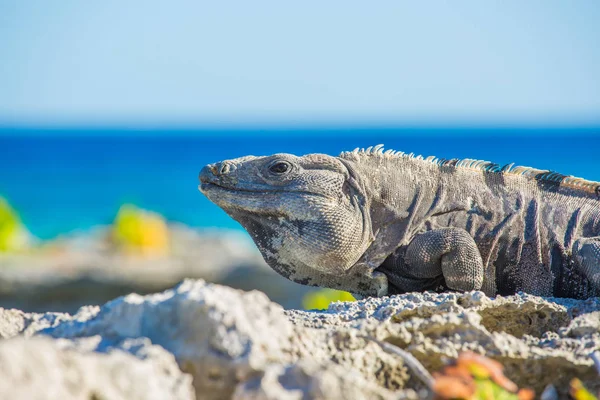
377,223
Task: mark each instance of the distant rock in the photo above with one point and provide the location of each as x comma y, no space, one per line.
240,345
83,268
15,322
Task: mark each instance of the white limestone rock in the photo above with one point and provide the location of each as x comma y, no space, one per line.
308,380
224,337
219,335
539,341
41,368
241,345
14,322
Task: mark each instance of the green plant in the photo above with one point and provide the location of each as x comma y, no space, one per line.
320,299
13,234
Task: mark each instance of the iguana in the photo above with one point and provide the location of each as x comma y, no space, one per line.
375,222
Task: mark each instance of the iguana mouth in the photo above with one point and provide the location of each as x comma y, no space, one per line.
206,185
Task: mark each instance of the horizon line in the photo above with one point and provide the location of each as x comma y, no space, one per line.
207,129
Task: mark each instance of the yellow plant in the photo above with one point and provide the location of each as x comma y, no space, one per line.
320,299
579,392
13,234
139,231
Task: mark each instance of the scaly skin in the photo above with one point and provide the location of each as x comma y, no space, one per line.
376,223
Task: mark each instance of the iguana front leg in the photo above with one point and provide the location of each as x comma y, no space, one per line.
448,252
586,252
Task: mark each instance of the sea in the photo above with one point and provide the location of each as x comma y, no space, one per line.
65,180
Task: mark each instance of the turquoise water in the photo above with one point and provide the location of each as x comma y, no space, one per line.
67,180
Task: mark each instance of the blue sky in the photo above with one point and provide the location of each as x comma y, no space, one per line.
111,62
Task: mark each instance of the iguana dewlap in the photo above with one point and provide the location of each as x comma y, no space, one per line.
377,223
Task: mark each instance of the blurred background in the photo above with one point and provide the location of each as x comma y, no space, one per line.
109,109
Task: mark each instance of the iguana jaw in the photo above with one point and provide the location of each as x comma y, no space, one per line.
240,199
233,199
206,187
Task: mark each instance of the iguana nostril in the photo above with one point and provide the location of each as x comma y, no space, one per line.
207,173
212,168
212,171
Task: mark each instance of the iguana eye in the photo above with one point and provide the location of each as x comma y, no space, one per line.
280,167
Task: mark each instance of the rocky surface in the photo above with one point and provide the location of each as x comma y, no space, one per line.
83,268
41,368
539,341
234,344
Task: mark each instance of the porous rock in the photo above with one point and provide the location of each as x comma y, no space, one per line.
309,380
539,341
219,335
224,337
14,322
241,345
41,368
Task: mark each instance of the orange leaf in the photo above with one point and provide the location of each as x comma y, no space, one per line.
526,394
446,387
475,363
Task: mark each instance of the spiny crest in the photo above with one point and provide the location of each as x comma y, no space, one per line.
541,175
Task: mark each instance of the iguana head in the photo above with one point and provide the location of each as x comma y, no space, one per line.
306,214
